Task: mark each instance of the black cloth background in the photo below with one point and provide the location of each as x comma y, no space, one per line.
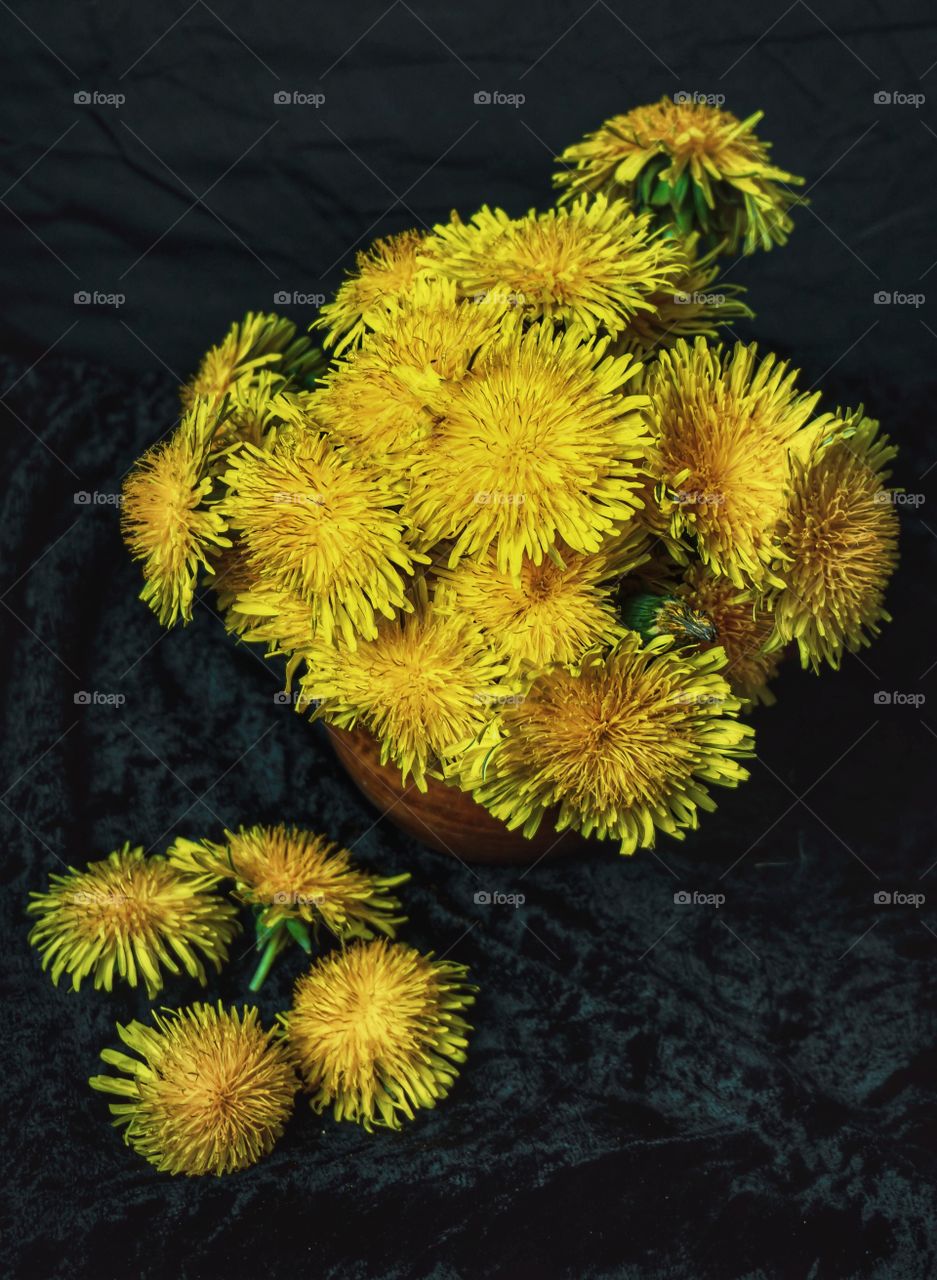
653,1090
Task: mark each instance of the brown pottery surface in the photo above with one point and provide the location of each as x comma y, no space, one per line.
443,817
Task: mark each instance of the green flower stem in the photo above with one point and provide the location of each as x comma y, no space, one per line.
270,953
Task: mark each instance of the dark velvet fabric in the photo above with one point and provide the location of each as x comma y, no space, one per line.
654,1090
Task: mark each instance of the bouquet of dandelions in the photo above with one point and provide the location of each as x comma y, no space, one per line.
527,523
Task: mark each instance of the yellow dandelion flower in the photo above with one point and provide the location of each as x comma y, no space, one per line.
210,1090
261,410
383,274
620,746
556,611
291,874
257,613
167,519
281,620
594,264
724,426
385,400
255,344
697,304
695,165
840,537
424,687
742,626
539,443
653,517
318,524
376,1031
130,916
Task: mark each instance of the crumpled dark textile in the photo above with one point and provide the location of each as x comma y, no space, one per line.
655,1090
200,196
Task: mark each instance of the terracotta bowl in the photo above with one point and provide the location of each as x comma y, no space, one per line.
444,818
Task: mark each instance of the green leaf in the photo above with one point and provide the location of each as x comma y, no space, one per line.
648,177
684,220
703,212
661,196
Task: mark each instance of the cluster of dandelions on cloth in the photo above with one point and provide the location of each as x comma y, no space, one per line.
525,520
375,1030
